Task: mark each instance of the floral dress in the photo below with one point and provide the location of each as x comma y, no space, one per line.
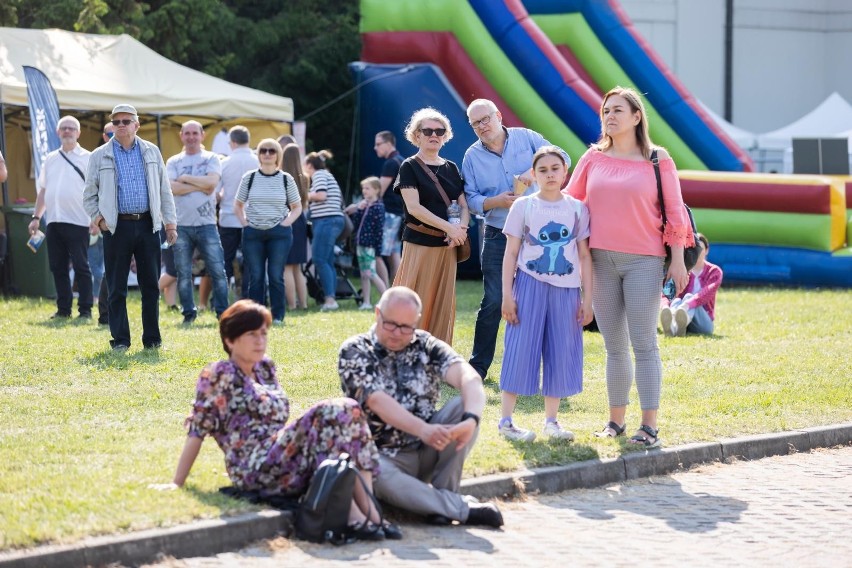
247,416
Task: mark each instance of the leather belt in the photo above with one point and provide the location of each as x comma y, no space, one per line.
134,216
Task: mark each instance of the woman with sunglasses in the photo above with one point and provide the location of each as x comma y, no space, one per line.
326,201
429,255
267,204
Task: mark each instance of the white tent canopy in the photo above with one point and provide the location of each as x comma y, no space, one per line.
828,120
95,72
742,137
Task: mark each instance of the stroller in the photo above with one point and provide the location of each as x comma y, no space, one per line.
343,268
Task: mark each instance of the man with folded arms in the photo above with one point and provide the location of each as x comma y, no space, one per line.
395,371
129,197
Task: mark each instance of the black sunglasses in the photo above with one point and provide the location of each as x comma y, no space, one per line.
431,131
124,121
267,151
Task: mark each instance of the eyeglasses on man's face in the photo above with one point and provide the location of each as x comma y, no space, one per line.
482,122
431,131
391,326
70,128
267,151
124,121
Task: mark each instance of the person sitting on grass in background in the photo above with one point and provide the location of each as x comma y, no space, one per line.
368,218
240,403
694,309
547,296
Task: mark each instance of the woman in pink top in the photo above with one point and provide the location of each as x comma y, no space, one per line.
615,178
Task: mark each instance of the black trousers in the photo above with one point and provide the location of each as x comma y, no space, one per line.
70,243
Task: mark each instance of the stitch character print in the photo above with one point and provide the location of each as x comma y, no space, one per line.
553,238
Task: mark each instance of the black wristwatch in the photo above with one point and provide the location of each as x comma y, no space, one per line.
36,218
467,415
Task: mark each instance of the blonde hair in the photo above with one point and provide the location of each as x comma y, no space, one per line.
417,119
267,142
643,138
374,182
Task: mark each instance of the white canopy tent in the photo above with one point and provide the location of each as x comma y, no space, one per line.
832,116
742,137
92,73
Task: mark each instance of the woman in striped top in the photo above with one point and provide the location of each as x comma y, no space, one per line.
326,206
266,204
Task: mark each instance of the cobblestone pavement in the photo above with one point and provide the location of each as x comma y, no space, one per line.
791,510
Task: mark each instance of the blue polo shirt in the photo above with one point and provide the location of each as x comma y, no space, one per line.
487,173
132,183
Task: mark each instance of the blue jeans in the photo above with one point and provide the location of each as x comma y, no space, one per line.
489,314
133,239
96,264
205,238
267,250
325,231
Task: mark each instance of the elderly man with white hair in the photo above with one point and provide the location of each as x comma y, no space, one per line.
60,196
395,372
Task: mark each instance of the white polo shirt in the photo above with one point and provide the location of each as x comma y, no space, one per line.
63,187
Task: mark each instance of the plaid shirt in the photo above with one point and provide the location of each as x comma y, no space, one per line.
132,184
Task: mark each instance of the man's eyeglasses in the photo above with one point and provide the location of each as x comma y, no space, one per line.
124,121
267,151
391,326
482,122
431,131
71,128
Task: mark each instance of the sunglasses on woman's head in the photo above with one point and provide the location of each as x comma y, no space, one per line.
431,131
267,151
124,121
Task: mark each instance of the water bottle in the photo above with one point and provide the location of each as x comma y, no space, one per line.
454,213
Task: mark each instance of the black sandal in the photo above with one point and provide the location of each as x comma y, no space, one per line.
645,441
611,430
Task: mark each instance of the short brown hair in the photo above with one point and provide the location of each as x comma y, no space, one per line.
242,317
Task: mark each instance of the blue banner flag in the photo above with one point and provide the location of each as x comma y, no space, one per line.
44,115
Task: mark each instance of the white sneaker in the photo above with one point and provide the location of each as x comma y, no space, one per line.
516,434
666,321
554,430
682,322
329,307
366,306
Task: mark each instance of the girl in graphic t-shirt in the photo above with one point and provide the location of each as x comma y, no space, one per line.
547,296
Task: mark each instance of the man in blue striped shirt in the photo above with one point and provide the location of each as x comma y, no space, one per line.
129,197
490,167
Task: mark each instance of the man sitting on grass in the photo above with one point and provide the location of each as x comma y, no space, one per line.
395,372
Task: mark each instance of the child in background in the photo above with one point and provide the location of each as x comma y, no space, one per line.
694,310
546,269
368,217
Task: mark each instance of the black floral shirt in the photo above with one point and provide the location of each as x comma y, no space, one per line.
412,377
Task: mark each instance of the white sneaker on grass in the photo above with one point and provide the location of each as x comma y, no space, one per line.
329,307
554,430
681,321
512,432
666,321
366,306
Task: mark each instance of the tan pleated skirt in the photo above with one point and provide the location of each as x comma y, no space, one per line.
431,272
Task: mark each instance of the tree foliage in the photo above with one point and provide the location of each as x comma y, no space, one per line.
294,48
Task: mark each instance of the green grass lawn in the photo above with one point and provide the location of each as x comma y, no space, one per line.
84,431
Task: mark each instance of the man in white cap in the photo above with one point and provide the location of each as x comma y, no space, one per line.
129,197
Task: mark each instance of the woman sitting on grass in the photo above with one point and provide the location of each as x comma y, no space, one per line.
240,403
694,309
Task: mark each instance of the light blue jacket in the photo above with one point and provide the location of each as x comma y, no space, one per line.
100,198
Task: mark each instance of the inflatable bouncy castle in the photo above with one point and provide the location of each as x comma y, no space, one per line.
545,63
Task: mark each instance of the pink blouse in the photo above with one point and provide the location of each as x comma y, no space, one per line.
624,207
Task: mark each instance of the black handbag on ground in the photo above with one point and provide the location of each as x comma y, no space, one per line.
324,510
690,254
